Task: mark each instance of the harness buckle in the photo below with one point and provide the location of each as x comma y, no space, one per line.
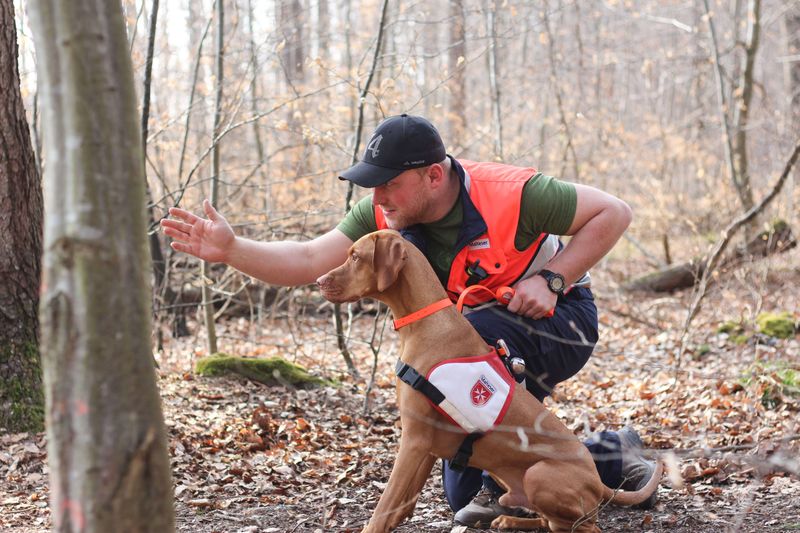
515,365
410,376
476,273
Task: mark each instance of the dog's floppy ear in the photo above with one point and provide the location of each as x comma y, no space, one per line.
388,259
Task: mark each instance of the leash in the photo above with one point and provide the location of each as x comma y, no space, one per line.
422,313
503,295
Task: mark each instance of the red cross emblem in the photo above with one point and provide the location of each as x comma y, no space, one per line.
480,394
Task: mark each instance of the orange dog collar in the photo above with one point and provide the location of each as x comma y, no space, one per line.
422,313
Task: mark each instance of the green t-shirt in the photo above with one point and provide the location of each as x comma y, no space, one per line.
548,206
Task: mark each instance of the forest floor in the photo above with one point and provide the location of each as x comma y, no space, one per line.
249,458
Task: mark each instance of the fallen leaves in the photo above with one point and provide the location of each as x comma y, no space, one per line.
247,458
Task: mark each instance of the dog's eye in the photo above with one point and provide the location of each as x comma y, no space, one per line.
354,258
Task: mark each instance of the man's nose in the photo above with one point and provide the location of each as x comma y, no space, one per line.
377,196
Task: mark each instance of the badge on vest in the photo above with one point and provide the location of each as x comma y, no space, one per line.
482,392
479,244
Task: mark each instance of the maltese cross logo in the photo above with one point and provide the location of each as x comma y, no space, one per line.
480,394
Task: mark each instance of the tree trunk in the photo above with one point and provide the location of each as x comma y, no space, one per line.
108,462
792,21
208,303
456,66
291,20
741,178
494,86
254,96
21,400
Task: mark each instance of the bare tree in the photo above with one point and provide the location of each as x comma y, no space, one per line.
21,400
792,22
290,21
736,128
741,114
108,462
456,67
259,142
208,304
494,85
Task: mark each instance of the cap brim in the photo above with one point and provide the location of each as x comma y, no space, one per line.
368,175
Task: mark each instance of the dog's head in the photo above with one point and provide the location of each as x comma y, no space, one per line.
372,266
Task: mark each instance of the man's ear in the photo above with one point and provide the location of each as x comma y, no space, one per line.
388,259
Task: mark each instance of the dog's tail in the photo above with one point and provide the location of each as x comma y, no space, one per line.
618,497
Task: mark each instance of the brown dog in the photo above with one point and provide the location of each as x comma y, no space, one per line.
543,466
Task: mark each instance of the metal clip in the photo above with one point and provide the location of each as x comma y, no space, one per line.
517,366
502,348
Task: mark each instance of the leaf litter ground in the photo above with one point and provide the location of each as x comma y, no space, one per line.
248,458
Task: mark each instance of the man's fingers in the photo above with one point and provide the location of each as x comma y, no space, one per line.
175,234
177,212
211,213
181,247
175,225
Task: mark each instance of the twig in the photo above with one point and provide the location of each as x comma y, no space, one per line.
376,348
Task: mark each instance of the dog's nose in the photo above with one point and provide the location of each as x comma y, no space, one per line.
323,280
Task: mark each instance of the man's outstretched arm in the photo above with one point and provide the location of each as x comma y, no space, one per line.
279,263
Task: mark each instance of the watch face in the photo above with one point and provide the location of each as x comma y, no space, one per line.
556,283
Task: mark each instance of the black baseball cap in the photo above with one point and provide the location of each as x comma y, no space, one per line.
398,144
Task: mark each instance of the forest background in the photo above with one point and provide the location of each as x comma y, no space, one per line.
686,110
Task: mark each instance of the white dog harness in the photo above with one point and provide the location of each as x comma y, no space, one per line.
477,391
472,392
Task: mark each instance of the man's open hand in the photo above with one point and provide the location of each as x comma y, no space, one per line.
209,239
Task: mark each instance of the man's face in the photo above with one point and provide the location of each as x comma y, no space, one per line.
404,200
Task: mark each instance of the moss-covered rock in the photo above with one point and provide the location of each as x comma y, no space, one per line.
270,371
778,325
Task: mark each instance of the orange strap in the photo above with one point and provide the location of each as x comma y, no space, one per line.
503,295
422,313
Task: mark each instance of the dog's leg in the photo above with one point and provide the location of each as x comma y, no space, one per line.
411,468
422,474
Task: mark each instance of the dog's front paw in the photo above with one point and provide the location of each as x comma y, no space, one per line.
517,523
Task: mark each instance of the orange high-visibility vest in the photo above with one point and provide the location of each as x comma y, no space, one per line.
491,196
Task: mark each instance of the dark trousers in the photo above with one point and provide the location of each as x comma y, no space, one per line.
554,349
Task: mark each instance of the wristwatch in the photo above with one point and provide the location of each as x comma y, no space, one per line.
555,282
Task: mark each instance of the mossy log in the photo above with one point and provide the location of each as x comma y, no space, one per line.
777,239
270,371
